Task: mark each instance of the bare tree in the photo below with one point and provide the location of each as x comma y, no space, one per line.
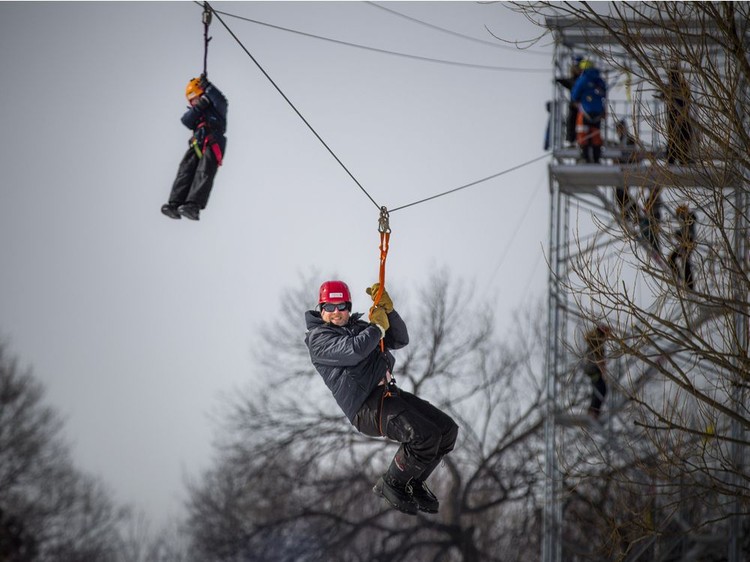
670,477
143,541
292,479
49,510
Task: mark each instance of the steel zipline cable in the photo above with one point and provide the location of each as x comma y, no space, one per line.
461,35
383,51
472,184
381,208
293,106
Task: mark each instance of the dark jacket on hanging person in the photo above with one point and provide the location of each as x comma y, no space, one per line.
595,356
208,120
349,357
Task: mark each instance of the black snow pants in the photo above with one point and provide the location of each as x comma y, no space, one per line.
426,433
195,179
598,387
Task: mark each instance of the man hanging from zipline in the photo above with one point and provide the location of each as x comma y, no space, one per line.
345,350
353,357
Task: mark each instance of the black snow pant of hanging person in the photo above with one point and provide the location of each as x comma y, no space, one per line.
598,389
195,179
686,272
426,433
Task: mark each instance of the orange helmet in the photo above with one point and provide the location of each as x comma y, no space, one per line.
331,291
193,89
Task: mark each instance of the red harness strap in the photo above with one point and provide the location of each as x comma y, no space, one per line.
217,152
208,142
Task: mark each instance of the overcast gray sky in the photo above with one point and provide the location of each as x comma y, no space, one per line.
137,324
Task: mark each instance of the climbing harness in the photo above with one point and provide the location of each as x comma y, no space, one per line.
206,22
390,390
196,148
201,149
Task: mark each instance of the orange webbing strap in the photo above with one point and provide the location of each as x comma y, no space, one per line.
385,236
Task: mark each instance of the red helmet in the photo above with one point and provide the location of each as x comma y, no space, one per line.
334,291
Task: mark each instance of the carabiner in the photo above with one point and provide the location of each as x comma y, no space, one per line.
383,225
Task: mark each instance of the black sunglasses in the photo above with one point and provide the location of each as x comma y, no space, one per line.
330,307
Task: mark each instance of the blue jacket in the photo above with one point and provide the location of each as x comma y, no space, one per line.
590,91
349,357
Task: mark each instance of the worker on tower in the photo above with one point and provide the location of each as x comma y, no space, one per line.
650,222
346,351
589,92
684,247
207,118
628,206
568,82
676,96
627,143
628,146
595,366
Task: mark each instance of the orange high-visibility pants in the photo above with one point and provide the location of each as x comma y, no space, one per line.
587,131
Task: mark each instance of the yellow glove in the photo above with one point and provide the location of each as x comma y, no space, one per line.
379,317
385,299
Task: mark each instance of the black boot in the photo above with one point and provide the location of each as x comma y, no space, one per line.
396,494
190,211
393,485
170,211
423,496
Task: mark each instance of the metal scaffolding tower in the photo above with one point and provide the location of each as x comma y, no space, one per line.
586,193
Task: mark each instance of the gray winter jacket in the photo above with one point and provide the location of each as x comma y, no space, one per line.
349,357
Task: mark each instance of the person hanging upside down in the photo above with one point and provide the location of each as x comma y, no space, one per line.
207,118
346,352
